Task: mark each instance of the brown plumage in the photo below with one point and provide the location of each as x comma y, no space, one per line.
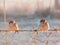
13,26
44,26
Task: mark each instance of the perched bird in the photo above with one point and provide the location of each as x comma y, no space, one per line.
13,26
44,25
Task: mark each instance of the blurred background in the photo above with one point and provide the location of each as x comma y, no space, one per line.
28,12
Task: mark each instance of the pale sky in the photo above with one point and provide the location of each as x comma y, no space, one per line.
26,5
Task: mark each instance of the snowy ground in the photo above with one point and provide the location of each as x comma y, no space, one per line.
27,38
27,25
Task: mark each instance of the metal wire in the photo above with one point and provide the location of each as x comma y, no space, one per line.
35,31
35,35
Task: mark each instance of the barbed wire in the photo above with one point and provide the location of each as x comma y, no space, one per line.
35,37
